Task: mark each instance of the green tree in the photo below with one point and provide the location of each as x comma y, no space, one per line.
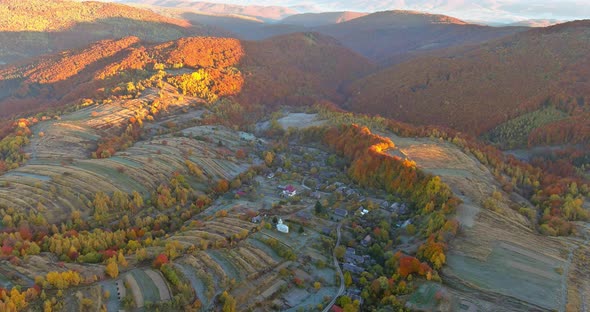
340,251
319,208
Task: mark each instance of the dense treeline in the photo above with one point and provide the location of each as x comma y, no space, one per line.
545,183
432,201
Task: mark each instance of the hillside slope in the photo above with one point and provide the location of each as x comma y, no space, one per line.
475,89
106,67
387,36
298,69
288,70
29,28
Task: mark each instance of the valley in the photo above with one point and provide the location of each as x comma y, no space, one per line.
192,156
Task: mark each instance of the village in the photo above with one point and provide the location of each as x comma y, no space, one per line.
305,192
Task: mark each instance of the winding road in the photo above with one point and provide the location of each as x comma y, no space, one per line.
341,289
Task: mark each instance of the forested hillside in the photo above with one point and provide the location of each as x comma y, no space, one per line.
389,36
475,89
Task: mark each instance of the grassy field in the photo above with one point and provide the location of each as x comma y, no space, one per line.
498,260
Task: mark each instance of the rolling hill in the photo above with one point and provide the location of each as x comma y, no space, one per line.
388,36
29,28
475,89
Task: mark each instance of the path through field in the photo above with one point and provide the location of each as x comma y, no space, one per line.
341,289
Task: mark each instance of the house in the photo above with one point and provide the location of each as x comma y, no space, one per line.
367,240
256,219
398,208
336,308
350,192
354,294
342,213
352,268
354,259
283,228
289,191
362,211
350,251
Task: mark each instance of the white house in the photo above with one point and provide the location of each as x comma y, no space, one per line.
283,228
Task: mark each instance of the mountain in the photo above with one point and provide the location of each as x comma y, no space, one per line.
29,28
474,89
261,12
388,36
321,19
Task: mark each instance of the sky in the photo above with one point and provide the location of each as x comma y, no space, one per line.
504,11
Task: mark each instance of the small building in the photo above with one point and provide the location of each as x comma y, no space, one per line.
362,211
342,213
289,191
281,227
336,308
350,192
352,268
367,240
354,259
270,175
256,219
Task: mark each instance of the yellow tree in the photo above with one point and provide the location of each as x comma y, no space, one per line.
112,269
121,259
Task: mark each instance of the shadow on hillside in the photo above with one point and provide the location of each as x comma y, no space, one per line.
15,46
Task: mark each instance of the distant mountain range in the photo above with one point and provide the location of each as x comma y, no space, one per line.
385,37
489,12
261,12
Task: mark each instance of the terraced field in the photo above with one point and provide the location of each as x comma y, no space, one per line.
61,176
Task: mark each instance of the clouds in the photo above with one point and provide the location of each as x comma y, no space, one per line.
485,10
